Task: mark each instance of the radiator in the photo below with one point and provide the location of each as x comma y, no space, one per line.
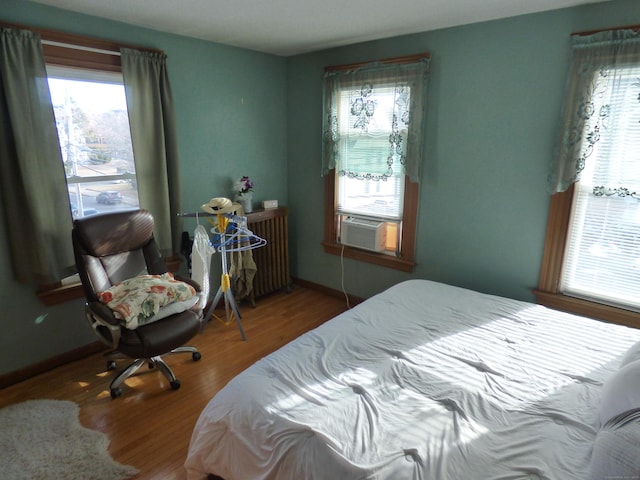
272,260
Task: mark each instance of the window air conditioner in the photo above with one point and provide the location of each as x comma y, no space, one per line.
363,233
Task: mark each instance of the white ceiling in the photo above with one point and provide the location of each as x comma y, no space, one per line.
289,27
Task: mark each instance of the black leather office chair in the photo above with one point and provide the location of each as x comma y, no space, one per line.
114,247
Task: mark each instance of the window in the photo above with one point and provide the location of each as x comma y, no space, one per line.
361,197
96,166
602,260
374,117
591,263
95,141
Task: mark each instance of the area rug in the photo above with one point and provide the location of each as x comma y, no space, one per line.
44,440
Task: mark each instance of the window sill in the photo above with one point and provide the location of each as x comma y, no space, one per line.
587,308
369,257
55,296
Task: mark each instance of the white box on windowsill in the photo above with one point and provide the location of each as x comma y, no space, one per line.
269,204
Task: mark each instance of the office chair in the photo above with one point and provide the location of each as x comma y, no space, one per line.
116,247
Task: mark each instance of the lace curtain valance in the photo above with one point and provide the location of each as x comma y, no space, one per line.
602,100
374,119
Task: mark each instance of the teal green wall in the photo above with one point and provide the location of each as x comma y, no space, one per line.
230,106
494,102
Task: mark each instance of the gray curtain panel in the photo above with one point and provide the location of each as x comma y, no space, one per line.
155,147
34,190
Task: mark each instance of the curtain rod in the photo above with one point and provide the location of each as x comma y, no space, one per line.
74,39
591,32
390,61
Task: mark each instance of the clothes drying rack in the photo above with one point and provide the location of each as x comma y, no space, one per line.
229,234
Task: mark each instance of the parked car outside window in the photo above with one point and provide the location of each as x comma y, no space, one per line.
109,197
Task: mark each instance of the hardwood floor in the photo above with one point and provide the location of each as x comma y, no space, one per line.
150,425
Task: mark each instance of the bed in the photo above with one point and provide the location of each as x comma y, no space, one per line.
430,381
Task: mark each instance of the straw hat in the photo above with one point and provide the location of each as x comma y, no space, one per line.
218,205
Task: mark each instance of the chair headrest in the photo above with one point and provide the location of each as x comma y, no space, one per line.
113,233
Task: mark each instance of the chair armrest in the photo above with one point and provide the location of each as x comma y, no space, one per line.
202,303
106,326
104,313
193,283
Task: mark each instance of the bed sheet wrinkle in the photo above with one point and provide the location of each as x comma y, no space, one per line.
424,381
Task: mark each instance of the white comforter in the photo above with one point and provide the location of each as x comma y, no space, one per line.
423,381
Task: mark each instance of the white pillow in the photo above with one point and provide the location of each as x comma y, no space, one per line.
615,450
632,355
136,301
620,392
172,309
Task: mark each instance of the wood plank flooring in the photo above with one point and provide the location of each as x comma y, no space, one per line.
150,425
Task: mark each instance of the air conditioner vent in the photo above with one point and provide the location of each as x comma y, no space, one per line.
363,233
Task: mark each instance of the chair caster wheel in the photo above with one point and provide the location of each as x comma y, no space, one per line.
196,356
111,365
116,392
175,385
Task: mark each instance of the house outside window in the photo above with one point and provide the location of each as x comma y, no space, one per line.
373,135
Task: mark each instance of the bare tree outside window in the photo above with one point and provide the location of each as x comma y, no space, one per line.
95,141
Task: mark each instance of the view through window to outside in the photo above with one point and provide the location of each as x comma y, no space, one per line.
95,140
602,261
382,199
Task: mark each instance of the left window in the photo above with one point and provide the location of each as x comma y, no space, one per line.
95,141
88,98
88,168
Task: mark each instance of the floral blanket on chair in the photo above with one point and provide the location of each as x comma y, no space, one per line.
138,301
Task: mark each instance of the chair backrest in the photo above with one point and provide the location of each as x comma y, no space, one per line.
113,247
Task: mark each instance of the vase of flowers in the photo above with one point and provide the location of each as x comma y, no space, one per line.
244,193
